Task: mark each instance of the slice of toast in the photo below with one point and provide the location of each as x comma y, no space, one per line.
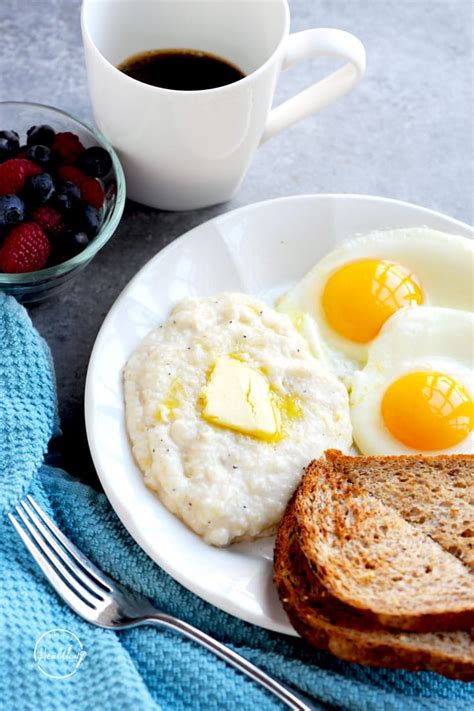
434,493
351,639
367,556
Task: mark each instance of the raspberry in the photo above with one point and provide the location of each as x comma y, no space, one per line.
25,249
13,174
49,220
68,146
30,168
91,190
12,177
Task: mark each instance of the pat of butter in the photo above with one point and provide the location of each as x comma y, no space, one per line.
239,397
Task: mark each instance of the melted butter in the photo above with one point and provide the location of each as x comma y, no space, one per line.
289,408
166,410
237,356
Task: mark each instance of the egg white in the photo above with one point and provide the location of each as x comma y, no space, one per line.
441,262
416,339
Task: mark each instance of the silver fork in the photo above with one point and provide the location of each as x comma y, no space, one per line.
104,602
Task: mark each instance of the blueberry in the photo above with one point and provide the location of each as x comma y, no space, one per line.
5,150
39,154
68,196
11,136
90,219
39,188
43,135
73,241
95,161
12,210
9,144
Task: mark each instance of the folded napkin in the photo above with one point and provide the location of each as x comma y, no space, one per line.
145,668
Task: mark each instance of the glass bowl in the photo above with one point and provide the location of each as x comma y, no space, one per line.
33,287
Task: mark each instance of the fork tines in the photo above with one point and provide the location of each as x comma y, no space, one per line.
83,586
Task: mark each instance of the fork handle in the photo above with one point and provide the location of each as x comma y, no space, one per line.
228,655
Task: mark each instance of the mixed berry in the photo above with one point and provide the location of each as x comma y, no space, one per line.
51,197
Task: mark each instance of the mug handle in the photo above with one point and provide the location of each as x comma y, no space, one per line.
308,45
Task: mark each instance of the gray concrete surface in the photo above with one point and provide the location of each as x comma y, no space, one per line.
406,132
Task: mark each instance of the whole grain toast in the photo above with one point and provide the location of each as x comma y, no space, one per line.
448,653
367,556
435,493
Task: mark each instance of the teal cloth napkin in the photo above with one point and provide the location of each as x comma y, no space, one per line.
145,668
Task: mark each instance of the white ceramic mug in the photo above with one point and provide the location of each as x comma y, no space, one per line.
187,149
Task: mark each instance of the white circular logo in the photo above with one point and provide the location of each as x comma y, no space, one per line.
58,653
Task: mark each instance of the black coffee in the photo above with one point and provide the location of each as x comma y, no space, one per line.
181,69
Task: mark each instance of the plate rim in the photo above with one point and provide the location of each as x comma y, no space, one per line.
124,516
243,208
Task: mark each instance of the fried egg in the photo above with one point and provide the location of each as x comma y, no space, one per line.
349,295
416,392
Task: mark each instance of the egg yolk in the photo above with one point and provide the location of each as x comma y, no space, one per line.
428,411
360,296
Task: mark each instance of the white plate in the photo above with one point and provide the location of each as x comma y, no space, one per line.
259,249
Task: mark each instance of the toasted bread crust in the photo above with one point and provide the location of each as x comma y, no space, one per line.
450,654
367,556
